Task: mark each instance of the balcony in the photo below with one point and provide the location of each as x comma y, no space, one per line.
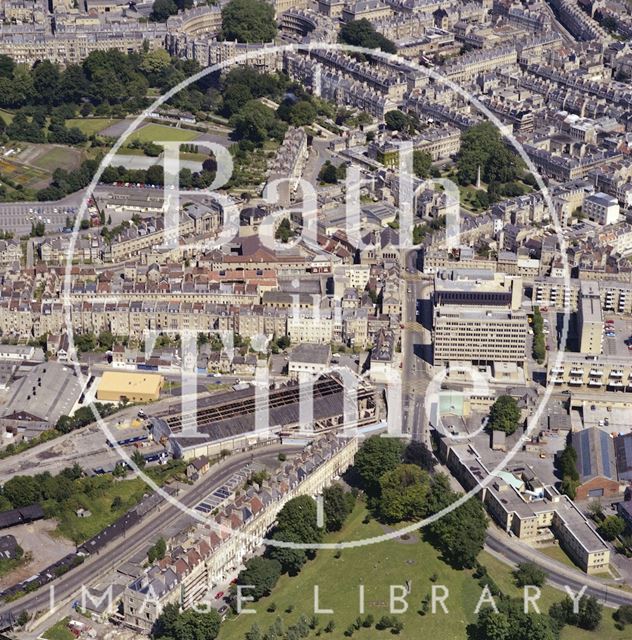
557,370
616,374
595,372
577,382
594,383
577,372
615,383
557,380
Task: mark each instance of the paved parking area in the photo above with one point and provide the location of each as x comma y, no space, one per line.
221,494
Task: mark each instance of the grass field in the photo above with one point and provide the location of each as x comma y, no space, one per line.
377,567
53,158
158,132
7,116
59,631
90,126
99,502
557,553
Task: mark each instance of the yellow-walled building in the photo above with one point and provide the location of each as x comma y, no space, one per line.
136,387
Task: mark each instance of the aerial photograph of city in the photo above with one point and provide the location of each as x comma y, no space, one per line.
315,319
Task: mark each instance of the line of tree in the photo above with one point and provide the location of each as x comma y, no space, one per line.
566,464
297,522
539,347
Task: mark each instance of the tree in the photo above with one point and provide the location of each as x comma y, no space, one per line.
529,573
262,573
196,625
504,415
22,491
396,120
588,616
298,517
255,122
155,61
254,633
422,161
338,504
611,527
403,493
302,113
138,459
460,534
162,9
165,622
248,21
418,453
328,173
623,615
482,147
375,457
361,33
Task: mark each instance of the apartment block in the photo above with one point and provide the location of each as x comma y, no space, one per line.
524,507
590,319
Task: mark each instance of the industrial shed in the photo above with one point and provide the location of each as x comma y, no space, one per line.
115,386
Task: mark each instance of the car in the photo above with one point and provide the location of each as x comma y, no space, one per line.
545,309
223,609
219,595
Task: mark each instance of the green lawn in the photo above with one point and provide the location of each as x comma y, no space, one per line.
158,132
557,553
377,567
90,126
7,116
99,503
59,631
58,158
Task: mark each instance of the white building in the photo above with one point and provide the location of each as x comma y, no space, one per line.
602,208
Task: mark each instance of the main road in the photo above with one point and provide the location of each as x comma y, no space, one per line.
416,349
96,566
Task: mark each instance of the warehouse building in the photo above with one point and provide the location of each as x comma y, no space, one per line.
116,386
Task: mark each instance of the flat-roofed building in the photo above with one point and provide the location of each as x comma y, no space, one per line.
602,208
590,319
477,318
579,372
527,509
114,386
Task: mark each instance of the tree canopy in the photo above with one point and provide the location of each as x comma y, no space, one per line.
504,415
361,33
248,21
262,573
375,457
482,146
187,625
403,493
